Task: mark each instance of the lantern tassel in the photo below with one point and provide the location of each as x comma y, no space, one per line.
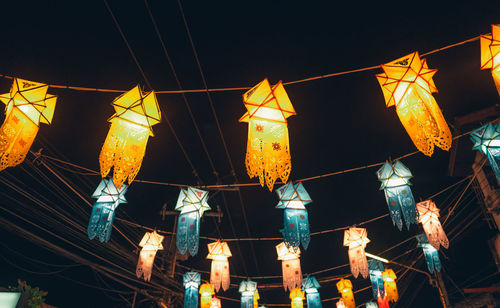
313,300
188,233
101,221
383,302
296,229
145,263
191,298
219,275
359,263
401,205
432,259
247,301
292,273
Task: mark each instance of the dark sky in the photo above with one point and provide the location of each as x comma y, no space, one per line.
341,123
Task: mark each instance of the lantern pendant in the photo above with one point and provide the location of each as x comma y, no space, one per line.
429,218
356,239
487,140
297,297
191,282
344,286
376,268
490,53
391,290
248,289
206,292
311,286
219,275
290,264
431,254
150,243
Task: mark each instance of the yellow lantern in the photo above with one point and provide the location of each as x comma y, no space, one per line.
345,289
490,53
27,105
391,290
297,297
150,243
356,239
290,265
268,150
407,84
206,292
256,298
131,126
219,273
429,218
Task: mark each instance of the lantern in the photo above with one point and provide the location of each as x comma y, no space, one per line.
215,303
256,298
371,305
206,292
407,84
268,151
131,126
429,217
431,254
490,53
344,286
311,286
191,282
382,301
219,274
391,290
356,239
150,243
395,181
341,304
297,297
192,203
487,140
103,211
27,105
247,289
376,268
293,198
290,265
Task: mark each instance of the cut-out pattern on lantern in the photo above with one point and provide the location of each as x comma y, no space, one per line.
376,268
429,218
311,286
247,290
490,53
431,254
150,243
218,252
487,140
290,264
206,292
390,287
297,298
344,286
191,282
356,239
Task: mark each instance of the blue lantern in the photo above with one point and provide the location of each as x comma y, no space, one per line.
247,289
376,268
191,281
487,140
311,286
431,253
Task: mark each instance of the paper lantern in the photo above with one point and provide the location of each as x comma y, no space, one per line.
429,218
27,105
395,181
490,53
103,211
131,126
191,282
293,198
247,289
297,297
311,286
356,239
371,305
219,274
268,150
215,303
487,140
391,290
344,286
341,304
431,254
192,203
290,265
382,301
407,84
150,243
376,268
256,298
206,292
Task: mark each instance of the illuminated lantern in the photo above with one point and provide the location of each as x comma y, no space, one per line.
356,239
376,268
215,303
206,292
131,126
311,286
344,286
191,282
487,140
293,198
219,274
297,297
247,289
256,298
268,150
341,304
407,84
490,53
371,305
395,181
103,211
391,290
429,217
27,105
431,254
150,243
382,301
192,203
290,265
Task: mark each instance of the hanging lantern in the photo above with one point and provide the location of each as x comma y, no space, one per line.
431,254
341,304
219,274
215,303
290,264
191,282
382,301
371,305
429,218
344,286
490,53
268,150
311,286
376,268
293,198
150,243
356,239
487,140
247,289
206,292
395,181
256,298
27,105
297,297
391,290
103,211
407,84
131,126
192,203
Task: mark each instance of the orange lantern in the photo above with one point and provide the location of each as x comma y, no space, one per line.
391,290
297,297
219,274
256,298
356,239
490,53
150,243
429,218
290,264
344,286
206,292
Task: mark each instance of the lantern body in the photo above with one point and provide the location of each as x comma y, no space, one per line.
248,289
490,53
382,301
356,239
27,105
219,273
103,211
431,254
395,181
150,243
311,286
341,304
293,198
215,303
376,268
191,282
344,286
297,297
487,140
290,265
391,290
256,298
192,203
206,292
429,218
131,126
268,150
371,305
407,84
